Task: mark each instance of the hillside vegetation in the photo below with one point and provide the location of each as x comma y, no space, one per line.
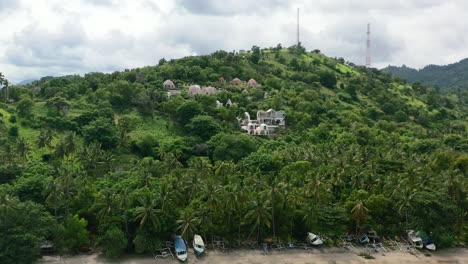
448,77
108,161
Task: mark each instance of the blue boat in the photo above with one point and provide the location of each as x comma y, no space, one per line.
180,248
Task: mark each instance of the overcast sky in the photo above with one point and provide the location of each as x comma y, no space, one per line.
58,37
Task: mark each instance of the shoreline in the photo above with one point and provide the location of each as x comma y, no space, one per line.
290,256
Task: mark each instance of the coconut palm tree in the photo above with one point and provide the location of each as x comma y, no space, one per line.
188,222
7,203
69,142
23,148
45,138
275,194
107,204
147,211
258,215
53,195
360,214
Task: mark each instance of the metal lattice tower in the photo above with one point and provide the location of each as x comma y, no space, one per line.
298,41
368,47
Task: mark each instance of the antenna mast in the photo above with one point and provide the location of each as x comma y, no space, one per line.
298,41
368,47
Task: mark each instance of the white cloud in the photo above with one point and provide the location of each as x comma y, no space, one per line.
47,37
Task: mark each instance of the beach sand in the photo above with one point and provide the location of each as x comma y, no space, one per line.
296,256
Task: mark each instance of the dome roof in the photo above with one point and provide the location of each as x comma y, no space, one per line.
194,89
168,84
209,90
236,81
245,91
252,82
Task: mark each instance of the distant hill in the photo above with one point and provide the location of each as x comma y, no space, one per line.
25,82
448,77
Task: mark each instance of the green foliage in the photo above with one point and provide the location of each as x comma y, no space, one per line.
25,107
448,77
203,126
231,146
112,154
188,110
75,233
113,242
103,131
23,226
328,79
13,131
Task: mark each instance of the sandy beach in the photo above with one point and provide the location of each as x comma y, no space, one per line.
296,256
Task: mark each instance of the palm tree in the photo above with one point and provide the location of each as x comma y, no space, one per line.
229,202
274,193
188,222
7,203
406,201
107,204
23,148
124,203
293,200
69,142
168,197
360,213
147,212
45,138
212,200
66,184
8,153
54,195
258,215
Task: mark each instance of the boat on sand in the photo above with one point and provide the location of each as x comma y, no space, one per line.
198,245
180,248
313,239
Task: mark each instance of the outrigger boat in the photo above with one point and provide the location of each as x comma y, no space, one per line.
198,245
180,248
313,239
415,239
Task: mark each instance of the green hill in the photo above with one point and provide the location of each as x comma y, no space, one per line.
108,161
448,77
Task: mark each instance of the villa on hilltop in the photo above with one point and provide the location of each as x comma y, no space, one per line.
267,122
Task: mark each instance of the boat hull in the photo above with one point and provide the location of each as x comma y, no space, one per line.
180,248
198,252
431,247
198,245
314,240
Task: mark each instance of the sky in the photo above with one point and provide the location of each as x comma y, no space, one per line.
56,37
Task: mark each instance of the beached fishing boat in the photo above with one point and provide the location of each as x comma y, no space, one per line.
364,239
180,248
314,239
426,240
198,245
415,239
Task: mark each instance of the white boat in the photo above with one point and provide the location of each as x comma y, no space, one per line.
314,239
198,245
180,248
431,246
427,241
415,239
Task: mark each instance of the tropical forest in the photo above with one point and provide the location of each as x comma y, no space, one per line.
121,162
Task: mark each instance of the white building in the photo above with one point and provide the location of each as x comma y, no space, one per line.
267,122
